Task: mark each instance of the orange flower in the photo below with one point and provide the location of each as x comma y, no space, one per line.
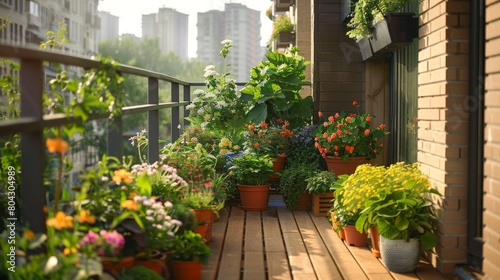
251,127
256,145
57,145
382,126
85,217
348,119
354,103
28,234
263,124
367,131
122,175
60,221
68,251
130,205
320,114
368,118
325,124
331,119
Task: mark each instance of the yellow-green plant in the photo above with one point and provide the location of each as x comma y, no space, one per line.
281,23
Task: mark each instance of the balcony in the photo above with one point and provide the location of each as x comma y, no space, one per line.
271,244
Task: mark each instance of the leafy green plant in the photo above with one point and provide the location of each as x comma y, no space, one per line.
293,182
281,23
274,90
269,139
139,272
321,182
252,169
367,12
190,246
401,206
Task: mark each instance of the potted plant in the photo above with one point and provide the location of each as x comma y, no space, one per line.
189,254
383,23
402,212
320,186
350,138
251,172
293,185
282,31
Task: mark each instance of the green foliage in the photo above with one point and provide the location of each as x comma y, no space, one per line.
139,272
218,107
274,90
367,12
400,206
293,182
55,39
190,246
252,169
281,23
321,182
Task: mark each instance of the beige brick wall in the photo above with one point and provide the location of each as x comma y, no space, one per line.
491,217
303,38
443,120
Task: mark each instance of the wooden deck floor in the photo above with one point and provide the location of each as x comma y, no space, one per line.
280,244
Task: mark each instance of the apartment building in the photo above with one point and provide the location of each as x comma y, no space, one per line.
109,26
171,27
241,25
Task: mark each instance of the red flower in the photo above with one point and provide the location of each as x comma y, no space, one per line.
263,124
382,126
320,114
348,119
354,103
331,119
368,118
337,115
251,127
367,131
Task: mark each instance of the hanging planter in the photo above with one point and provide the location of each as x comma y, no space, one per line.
284,39
365,48
394,32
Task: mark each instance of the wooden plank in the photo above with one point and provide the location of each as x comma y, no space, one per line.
253,263
277,266
321,260
253,266
276,259
287,221
300,264
426,271
346,263
272,234
369,263
218,235
230,263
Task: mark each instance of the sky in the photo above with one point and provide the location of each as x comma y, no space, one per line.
131,11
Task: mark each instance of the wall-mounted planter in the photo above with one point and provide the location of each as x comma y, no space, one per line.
284,39
365,48
283,5
395,32
346,10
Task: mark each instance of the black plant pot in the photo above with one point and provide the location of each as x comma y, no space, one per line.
365,48
395,32
285,39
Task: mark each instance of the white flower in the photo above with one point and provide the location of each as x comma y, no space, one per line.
201,111
196,99
226,41
104,179
210,73
210,95
198,91
188,107
209,67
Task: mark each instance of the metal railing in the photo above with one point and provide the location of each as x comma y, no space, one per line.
33,121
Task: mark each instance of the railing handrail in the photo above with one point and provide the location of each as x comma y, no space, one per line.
32,121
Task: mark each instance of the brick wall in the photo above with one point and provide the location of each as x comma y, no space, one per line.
443,120
491,232
338,75
303,38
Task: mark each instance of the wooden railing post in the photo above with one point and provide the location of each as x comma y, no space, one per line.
187,97
153,121
175,112
32,147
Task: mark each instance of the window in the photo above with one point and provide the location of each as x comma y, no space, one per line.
34,8
7,3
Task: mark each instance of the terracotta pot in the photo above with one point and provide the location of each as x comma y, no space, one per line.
335,225
117,266
158,265
354,237
339,167
304,201
205,218
186,269
278,166
375,240
254,198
